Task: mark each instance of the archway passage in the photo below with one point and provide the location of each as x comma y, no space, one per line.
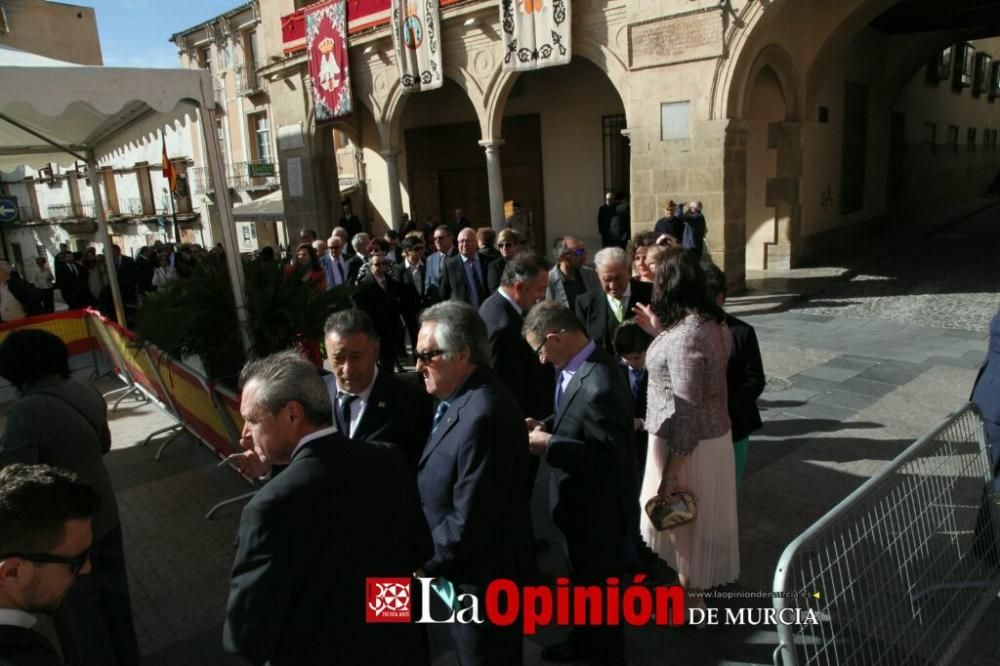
443,161
563,148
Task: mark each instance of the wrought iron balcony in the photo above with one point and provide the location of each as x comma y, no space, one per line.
248,82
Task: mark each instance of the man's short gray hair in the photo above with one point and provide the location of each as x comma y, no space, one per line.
459,328
522,267
610,256
285,377
359,240
550,317
348,322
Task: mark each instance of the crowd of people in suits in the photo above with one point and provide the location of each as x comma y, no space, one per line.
627,379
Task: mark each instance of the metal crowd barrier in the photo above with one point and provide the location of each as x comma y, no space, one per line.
210,413
900,571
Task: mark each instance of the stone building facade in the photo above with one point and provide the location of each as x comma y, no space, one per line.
799,123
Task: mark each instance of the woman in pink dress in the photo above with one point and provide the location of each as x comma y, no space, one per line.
687,417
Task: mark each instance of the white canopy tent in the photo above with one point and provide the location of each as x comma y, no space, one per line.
51,109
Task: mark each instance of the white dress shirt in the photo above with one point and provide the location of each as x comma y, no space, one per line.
517,308
357,407
12,617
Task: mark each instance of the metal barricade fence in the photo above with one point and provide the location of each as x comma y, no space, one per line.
902,569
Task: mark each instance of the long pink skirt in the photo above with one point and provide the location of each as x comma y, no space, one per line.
706,550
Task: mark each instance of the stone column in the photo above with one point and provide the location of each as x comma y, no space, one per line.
734,204
392,179
495,177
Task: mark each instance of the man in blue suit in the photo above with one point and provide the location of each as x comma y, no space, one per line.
445,246
472,476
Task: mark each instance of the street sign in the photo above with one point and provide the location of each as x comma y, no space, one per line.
260,169
8,209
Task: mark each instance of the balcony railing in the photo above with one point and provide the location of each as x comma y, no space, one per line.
255,175
248,82
70,211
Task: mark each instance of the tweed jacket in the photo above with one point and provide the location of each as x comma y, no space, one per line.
687,399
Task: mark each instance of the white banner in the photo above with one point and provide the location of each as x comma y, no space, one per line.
416,35
536,33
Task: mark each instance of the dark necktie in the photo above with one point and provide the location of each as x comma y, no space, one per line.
340,271
438,415
559,390
347,399
636,381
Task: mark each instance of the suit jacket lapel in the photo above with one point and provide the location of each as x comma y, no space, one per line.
572,389
368,426
448,422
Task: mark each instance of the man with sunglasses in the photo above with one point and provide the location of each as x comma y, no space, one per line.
569,278
45,539
473,476
445,248
509,244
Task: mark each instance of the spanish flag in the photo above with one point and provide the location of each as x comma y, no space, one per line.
168,168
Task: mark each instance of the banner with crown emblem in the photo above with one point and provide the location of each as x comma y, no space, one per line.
326,44
416,35
536,33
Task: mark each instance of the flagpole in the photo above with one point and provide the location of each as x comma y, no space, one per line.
173,212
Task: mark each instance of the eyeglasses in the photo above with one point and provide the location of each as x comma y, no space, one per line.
75,563
381,263
507,244
426,357
578,252
541,345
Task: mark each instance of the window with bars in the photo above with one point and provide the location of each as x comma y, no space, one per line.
616,154
854,153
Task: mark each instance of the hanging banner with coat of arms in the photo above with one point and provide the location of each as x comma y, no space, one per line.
326,44
416,35
536,33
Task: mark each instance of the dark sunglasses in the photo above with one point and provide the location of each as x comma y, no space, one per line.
578,252
75,563
507,244
426,357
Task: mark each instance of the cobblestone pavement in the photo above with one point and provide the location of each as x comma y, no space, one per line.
855,375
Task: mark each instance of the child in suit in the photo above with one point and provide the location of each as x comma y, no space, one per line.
631,343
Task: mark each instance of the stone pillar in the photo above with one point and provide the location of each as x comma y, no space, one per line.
495,177
783,195
734,204
392,179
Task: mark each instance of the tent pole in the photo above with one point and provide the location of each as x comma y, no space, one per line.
102,227
224,206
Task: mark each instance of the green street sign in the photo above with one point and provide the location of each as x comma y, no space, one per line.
260,169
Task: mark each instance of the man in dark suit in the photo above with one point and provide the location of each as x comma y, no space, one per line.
379,296
473,476
341,511
144,270
445,248
604,215
71,280
349,221
464,276
411,275
367,404
589,444
460,222
45,536
361,244
523,284
601,312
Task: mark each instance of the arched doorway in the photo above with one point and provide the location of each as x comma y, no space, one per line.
442,167
766,110
563,148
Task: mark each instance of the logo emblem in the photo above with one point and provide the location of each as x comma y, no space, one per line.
388,599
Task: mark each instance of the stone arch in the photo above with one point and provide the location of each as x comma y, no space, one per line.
776,60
